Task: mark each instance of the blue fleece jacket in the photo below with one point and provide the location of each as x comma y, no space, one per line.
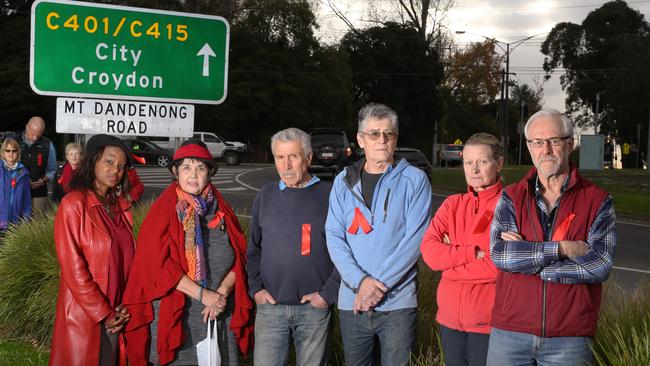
16,200
399,216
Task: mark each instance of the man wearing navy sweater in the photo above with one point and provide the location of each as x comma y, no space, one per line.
290,274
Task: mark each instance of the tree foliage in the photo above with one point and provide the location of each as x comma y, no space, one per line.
473,75
608,53
391,64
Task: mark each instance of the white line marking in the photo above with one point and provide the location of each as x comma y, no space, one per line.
631,223
631,269
233,189
244,184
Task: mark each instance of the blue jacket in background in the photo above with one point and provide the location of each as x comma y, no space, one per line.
399,216
15,202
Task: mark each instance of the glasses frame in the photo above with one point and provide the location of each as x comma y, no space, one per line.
376,135
11,151
554,141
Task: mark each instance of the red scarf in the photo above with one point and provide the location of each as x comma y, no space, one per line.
158,265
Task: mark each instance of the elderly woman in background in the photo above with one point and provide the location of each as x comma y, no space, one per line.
61,184
188,268
94,245
457,243
15,195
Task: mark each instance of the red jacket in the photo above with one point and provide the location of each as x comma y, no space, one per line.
158,265
83,247
525,303
466,291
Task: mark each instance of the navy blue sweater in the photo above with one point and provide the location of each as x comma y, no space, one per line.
274,258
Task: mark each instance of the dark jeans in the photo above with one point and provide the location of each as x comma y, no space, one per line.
464,348
394,329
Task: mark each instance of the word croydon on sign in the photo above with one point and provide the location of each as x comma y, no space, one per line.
97,50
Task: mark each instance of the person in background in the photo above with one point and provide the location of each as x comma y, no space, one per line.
94,245
552,237
188,269
61,184
457,243
15,195
39,157
378,212
137,188
291,276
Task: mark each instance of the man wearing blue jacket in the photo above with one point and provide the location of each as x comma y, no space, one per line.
378,212
290,274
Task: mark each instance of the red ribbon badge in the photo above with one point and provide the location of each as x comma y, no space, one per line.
563,228
359,220
218,216
305,243
13,183
483,223
39,159
139,159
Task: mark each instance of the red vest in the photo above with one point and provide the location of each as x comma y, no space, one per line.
527,304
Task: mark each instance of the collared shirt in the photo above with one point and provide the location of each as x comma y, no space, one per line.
547,218
314,179
542,258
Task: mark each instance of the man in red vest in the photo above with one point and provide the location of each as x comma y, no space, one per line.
552,238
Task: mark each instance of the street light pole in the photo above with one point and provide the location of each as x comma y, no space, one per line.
506,79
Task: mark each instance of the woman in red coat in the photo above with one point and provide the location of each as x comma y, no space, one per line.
94,245
458,243
188,268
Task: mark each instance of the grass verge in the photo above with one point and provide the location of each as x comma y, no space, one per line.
630,187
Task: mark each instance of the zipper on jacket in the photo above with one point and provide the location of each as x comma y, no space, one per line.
559,201
386,205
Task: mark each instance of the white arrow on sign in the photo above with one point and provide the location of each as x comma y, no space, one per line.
206,51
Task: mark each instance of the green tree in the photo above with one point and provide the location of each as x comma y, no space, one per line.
608,53
391,64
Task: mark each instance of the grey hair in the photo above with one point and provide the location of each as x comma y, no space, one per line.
376,111
567,126
292,134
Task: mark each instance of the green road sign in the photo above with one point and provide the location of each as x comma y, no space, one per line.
96,50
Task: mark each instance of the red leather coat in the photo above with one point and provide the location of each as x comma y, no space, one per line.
83,247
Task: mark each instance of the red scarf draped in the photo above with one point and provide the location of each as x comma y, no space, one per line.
158,265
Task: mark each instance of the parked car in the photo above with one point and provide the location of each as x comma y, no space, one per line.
414,157
451,155
331,151
148,153
231,152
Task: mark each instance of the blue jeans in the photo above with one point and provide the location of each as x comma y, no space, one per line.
394,329
522,349
276,324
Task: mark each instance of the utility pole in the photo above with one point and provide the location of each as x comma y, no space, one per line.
434,155
597,122
647,156
638,144
520,129
502,124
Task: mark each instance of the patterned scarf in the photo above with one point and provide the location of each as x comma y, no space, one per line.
190,209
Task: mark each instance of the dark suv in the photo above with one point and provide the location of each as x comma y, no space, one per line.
331,151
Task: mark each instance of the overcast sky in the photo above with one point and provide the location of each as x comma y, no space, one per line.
504,20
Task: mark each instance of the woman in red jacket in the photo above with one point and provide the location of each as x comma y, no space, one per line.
188,268
94,245
457,243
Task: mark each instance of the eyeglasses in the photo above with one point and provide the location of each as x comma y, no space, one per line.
11,151
555,141
375,135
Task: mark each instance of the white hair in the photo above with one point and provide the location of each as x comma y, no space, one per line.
376,111
567,126
292,134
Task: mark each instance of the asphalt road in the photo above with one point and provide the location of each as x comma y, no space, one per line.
240,184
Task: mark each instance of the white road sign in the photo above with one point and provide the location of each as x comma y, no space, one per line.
118,117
